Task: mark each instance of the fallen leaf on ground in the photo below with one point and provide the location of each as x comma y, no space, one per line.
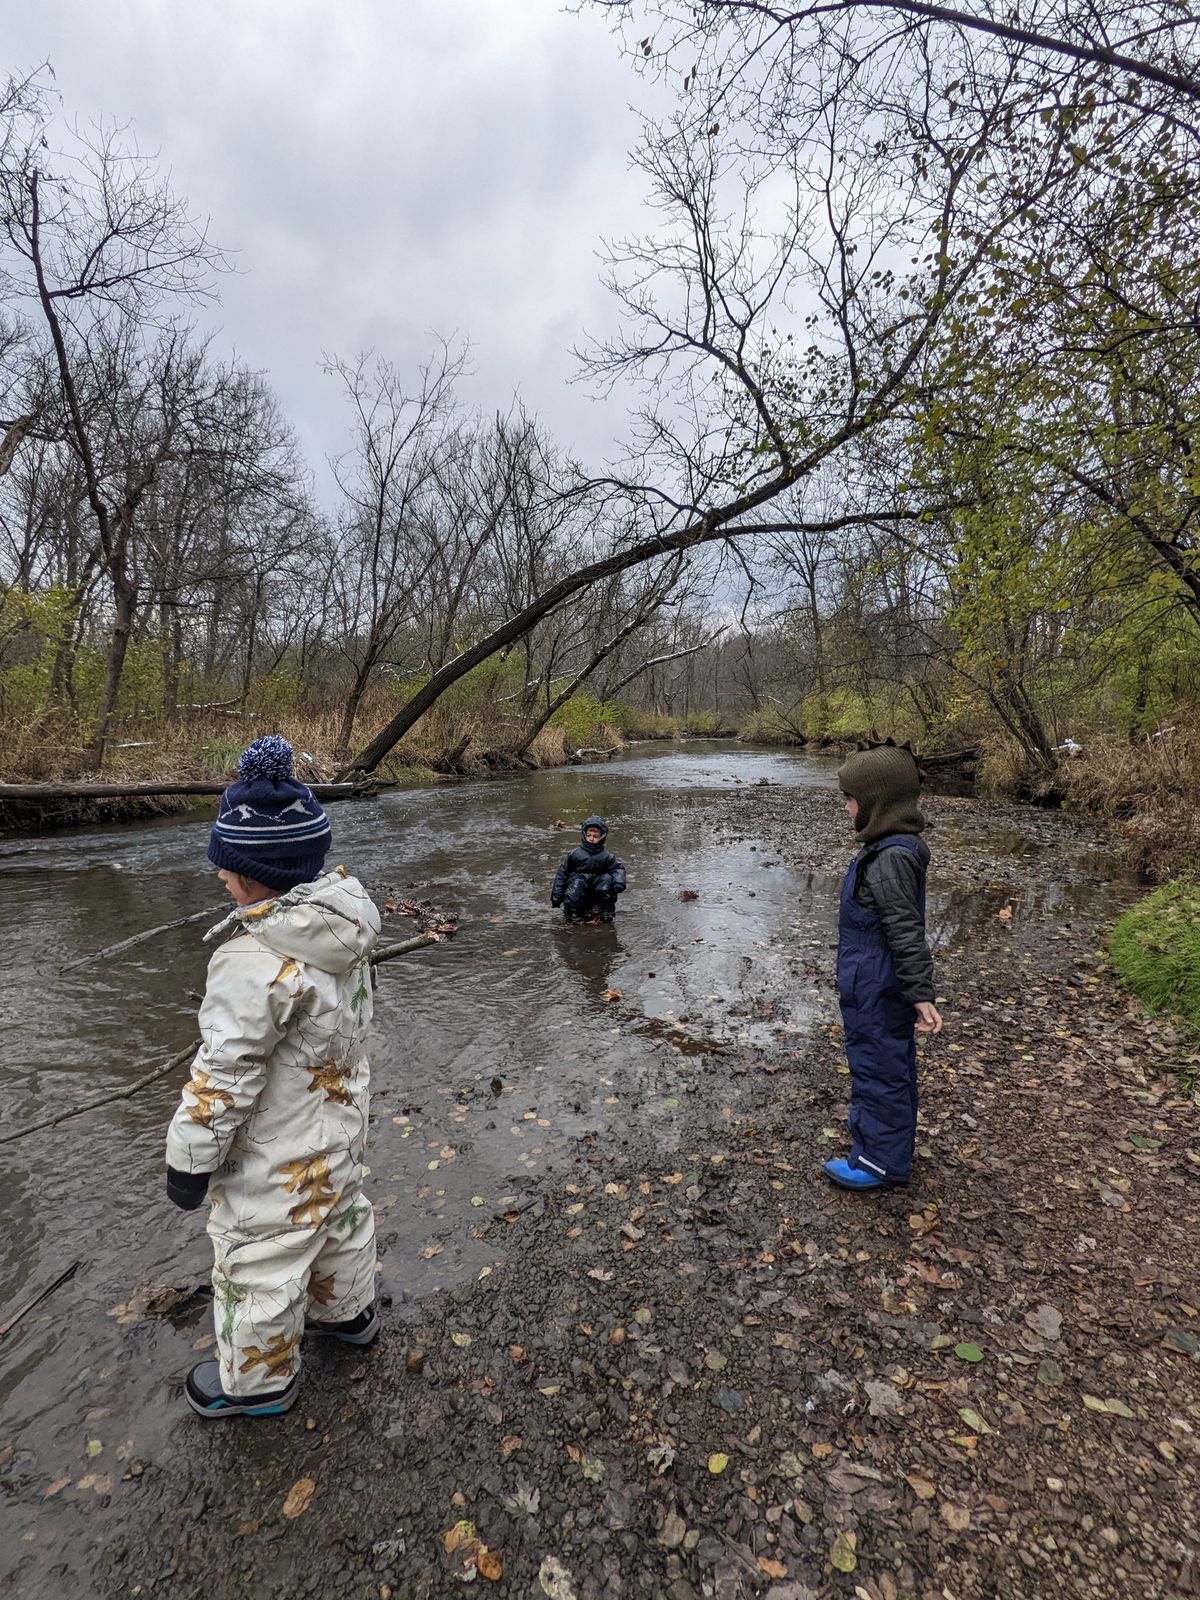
954,1516
974,1420
1046,1321
556,1580
773,1569
1110,1408
298,1497
921,1487
843,1554
718,1461
968,1351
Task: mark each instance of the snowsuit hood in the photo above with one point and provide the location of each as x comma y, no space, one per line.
329,924
886,782
593,822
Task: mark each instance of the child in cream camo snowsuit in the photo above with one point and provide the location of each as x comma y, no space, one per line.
273,1122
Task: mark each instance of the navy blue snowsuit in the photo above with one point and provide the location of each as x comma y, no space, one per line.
589,878
879,1016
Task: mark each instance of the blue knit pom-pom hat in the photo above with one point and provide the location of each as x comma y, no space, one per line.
270,826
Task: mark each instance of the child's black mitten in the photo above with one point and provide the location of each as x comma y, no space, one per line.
187,1189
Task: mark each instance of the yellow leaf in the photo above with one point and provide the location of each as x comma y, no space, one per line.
462,1340
458,1534
298,1497
843,1552
773,1569
718,1461
921,1487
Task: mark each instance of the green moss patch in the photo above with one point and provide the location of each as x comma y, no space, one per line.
1155,951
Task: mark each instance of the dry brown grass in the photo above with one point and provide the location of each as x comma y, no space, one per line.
1148,791
204,746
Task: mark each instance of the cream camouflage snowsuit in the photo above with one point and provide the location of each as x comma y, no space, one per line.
276,1110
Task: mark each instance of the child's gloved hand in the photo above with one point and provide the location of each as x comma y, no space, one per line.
556,901
187,1189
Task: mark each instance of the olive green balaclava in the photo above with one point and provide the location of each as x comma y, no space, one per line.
886,782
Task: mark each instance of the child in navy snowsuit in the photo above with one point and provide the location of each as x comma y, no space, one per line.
884,968
590,877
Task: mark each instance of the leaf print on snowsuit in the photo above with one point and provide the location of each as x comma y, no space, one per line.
879,1023
276,1110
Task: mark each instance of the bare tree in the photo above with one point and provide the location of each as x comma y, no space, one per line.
94,245
389,526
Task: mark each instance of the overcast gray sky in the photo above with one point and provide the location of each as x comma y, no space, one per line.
381,168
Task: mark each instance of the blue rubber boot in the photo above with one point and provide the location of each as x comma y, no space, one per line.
845,1176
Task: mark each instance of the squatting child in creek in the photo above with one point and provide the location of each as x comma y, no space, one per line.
884,968
273,1121
590,877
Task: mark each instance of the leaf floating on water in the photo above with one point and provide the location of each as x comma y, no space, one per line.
612,994
298,1497
844,1552
968,1352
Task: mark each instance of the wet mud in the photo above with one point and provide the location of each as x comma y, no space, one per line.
631,1337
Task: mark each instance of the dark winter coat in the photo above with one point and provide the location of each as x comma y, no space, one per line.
590,862
891,883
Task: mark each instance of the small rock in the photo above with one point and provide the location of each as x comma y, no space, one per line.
673,1531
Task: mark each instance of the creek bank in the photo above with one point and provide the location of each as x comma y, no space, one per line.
681,1365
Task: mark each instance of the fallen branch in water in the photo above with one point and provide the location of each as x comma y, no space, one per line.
22,1311
138,938
386,953
177,1060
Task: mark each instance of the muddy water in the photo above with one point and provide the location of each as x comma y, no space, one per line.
493,1056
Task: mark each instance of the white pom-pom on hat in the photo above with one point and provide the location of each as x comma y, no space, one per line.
268,759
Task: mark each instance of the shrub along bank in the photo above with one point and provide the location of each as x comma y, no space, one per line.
1155,951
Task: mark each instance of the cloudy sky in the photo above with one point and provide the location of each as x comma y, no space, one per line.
382,168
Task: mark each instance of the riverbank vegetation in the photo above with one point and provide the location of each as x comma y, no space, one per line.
1155,951
912,363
